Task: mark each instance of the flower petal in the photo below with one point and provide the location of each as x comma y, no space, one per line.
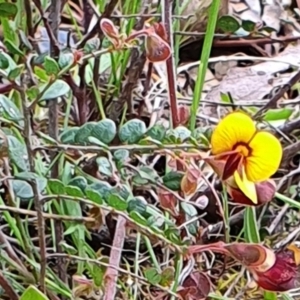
265,157
246,186
236,127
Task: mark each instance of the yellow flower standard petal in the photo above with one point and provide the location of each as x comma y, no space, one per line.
246,186
265,156
236,127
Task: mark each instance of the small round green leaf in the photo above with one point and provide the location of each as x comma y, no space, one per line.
157,132
102,187
4,64
56,186
121,154
93,195
179,134
68,136
23,189
91,45
13,48
105,131
74,191
15,73
152,276
57,89
17,153
65,59
172,180
82,135
228,24
138,218
117,202
51,66
136,205
9,110
248,25
132,131
78,181
104,166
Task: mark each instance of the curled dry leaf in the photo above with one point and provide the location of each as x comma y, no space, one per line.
168,201
195,287
183,114
189,181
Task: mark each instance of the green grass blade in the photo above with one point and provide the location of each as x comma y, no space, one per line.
208,40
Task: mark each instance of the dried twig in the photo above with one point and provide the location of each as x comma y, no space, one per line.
8,288
273,101
33,183
111,274
32,213
170,63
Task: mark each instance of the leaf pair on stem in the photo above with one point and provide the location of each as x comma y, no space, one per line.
156,44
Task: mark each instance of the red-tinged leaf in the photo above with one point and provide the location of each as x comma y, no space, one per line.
77,55
168,201
189,181
233,163
160,30
110,31
253,256
183,114
265,193
157,50
283,276
216,164
172,163
195,287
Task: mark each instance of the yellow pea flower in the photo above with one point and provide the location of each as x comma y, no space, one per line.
257,153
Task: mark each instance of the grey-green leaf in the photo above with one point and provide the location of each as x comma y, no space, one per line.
17,153
105,131
23,189
104,166
8,109
57,89
132,131
82,135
